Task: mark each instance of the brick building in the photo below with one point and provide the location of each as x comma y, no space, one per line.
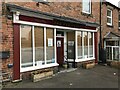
110,30
38,35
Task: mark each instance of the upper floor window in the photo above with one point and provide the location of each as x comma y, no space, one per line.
109,17
86,6
119,22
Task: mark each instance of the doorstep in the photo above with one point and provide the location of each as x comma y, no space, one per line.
68,70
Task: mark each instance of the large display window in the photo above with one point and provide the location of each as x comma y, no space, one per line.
26,46
85,45
36,47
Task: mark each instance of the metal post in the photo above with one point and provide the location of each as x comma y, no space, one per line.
100,42
100,24
74,55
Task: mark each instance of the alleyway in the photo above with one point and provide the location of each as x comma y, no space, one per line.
98,77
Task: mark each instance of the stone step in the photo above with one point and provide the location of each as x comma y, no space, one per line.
5,77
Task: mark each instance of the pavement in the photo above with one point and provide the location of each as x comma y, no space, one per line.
97,77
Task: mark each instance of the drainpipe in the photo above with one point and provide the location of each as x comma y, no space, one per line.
102,51
100,24
100,42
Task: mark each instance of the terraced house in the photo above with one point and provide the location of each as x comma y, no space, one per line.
110,30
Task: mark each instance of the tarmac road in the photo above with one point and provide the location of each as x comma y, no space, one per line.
97,77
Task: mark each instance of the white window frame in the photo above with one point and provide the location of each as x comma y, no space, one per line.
110,17
33,46
88,58
89,7
111,48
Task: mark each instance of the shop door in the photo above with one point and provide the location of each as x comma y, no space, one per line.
60,50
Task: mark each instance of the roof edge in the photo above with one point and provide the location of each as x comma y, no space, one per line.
53,16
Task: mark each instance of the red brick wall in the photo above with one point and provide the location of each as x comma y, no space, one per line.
73,10
7,42
69,9
105,27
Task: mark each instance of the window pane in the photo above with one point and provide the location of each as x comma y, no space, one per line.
119,24
39,45
26,46
109,53
109,13
85,45
90,44
119,17
109,20
112,43
115,53
79,44
86,6
50,56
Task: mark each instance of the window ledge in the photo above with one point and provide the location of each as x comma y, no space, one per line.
81,60
87,14
43,2
36,67
110,25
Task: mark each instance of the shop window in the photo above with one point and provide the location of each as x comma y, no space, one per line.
90,44
85,36
26,46
86,6
50,45
109,17
39,45
35,52
79,44
85,45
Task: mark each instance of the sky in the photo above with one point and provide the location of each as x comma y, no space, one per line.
115,2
